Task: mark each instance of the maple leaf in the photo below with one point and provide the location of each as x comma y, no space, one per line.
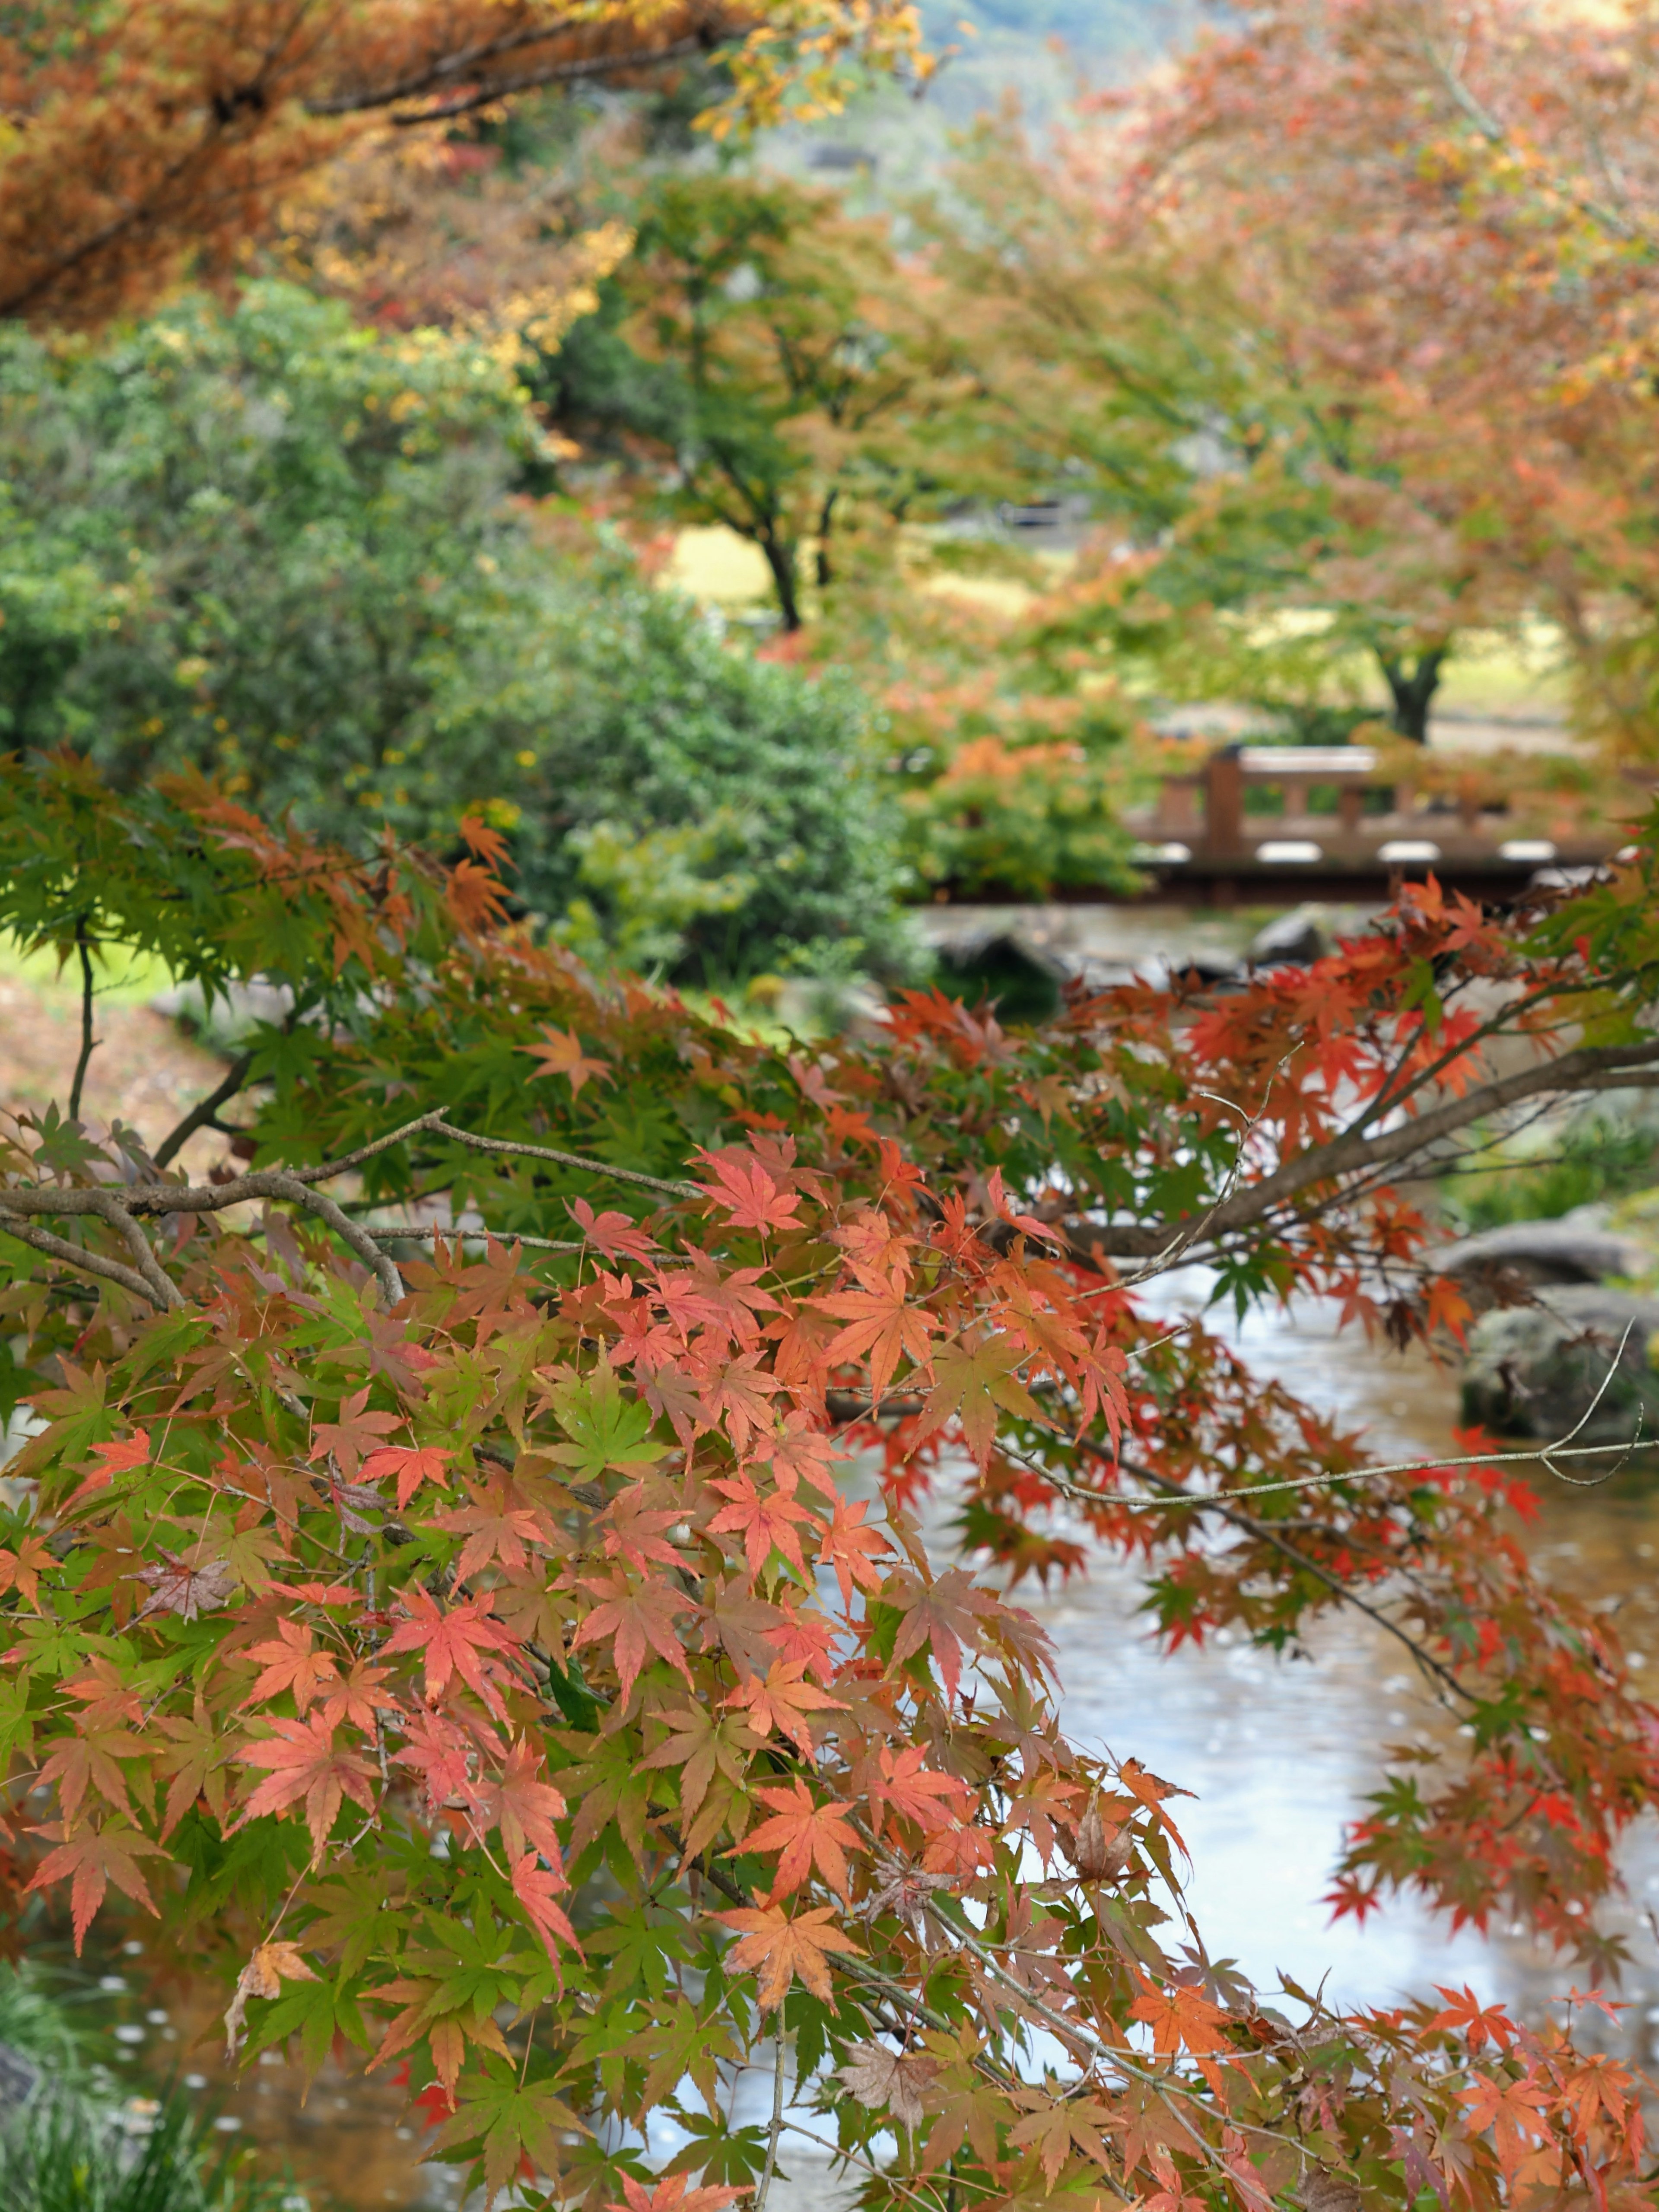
522,1806
807,1835
452,1642
617,1236
95,1858
781,1948
971,1382
674,2194
302,1763
1469,2018
536,1888
605,1429
751,1198
359,1697
703,1744
903,1781
194,1758
499,1523
119,1456
945,1614
291,1661
21,1570
882,1323
782,1701
562,1054
636,1617
443,1752
765,1522
1068,2123
738,1394
263,1975
850,1546
412,1466
355,1433
892,2081
176,1586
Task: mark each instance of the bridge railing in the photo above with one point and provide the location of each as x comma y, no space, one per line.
1340,809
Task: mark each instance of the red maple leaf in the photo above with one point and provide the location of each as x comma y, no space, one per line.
615,1235
303,1763
635,1616
119,1456
807,1834
452,1642
672,2195
765,1520
904,1781
850,1546
291,1663
750,1196
355,1432
522,1806
536,1889
412,1466
96,1857
782,1701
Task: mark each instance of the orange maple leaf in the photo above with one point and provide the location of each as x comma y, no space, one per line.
96,1857
562,1054
635,1615
782,1701
303,1763
452,1642
748,1195
291,1663
882,1323
412,1467
807,1834
781,1949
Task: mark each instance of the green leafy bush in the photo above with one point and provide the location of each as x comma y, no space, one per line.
275,548
1020,818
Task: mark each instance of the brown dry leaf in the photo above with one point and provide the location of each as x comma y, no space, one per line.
1096,1855
1325,2193
878,2077
185,1590
263,1977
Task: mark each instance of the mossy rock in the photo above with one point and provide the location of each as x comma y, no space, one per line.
1535,1371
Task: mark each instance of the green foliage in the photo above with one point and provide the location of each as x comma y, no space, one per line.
279,550
1020,818
1599,1152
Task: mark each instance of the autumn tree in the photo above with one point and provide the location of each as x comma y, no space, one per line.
1348,317
143,137
436,1591
776,366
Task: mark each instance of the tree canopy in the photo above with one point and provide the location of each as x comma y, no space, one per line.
443,1600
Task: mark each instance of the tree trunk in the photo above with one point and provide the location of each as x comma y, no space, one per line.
780,560
826,521
1412,689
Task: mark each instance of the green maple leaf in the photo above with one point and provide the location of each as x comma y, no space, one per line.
972,1380
604,1428
506,2120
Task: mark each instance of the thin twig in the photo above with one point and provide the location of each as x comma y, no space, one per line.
761,2193
90,1263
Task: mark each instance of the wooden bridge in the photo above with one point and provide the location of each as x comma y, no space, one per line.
1331,823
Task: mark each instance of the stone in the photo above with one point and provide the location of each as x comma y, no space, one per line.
1496,1265
1535,1371
1296,939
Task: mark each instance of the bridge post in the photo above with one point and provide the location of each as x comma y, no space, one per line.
1223,804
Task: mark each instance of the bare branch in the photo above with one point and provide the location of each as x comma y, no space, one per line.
89,1263
200,1115
88,1039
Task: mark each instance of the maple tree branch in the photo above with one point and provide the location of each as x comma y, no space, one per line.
88,1039
90,1263
200,1115
1600,1067
561,73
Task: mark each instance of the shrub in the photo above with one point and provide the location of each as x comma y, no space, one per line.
271,547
